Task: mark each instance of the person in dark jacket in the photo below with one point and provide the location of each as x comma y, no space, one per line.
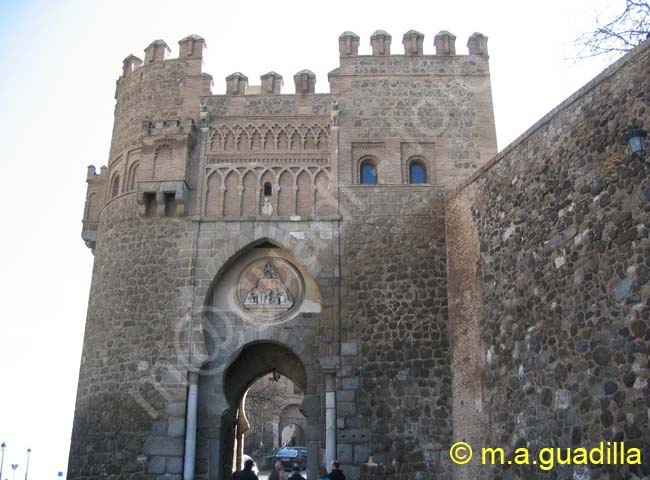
295,473
278,471
336,473
247,473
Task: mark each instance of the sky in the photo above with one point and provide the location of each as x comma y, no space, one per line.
59,64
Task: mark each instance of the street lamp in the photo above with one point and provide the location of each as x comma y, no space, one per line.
29,452
14,466
636,141
3,447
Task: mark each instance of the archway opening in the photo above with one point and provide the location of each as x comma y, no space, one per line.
260,304
273,403
292,435
258,361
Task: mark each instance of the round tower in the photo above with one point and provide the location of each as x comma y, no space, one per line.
134,222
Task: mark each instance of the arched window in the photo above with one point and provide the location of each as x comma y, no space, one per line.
115,187
133,171
268,189
368,173
417,172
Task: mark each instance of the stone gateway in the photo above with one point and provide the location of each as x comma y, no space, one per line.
369,245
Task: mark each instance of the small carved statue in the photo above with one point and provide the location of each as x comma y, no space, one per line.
251,298
335,113
267,208
273,296
261,296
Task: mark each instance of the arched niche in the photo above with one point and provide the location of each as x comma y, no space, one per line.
231,297
243,344
291,416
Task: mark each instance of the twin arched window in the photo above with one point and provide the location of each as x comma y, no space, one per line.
417,172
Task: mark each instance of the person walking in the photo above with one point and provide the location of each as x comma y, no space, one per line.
322,474
278,471
295,473
336,473
247,473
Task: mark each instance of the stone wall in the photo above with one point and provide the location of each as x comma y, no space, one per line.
131,398
548,284
394,396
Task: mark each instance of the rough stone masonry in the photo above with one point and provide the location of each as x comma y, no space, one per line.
368,245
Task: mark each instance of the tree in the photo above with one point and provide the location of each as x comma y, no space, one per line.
263,400
620,34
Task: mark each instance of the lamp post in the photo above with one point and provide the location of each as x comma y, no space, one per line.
3,447
29,452
14,466
636,141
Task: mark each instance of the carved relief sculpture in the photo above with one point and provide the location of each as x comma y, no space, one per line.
265,293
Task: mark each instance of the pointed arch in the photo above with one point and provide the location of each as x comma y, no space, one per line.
323,140
232,203
249,199
256,140
324,200
133,176
305,194
295,141
310,139
216,141
286,203
229,142
268,177
214,195
283,140
115,186
269,141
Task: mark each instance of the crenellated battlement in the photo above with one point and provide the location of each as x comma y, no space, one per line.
192,46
